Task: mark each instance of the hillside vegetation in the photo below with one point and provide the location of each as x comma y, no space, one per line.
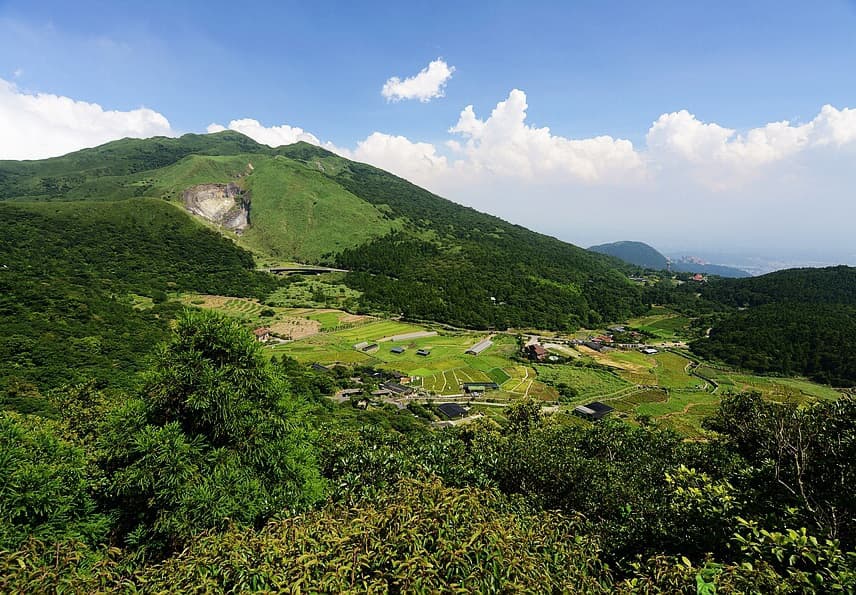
222,472
799,321
410,251
68,274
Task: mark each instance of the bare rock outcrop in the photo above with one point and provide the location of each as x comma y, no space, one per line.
226,205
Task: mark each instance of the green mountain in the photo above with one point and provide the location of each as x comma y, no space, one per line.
409,251
636,253
642,255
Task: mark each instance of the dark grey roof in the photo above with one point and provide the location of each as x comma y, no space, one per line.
451,410
479,386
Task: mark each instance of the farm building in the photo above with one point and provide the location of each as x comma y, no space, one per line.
423,352
381,392
401,378
536,352
479,347
397,350
369,347
396,388
361,346
649,351
593,411
347,392
319,368
479,387
452,410
593,345
262,333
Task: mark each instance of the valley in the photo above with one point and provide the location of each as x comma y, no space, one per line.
671,388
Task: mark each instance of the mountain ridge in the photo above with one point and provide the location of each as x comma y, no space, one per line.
410,251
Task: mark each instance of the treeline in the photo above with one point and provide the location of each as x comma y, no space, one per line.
798,321
67,272
814,340
216,475
830,285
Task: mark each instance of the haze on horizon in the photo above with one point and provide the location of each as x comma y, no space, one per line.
726,129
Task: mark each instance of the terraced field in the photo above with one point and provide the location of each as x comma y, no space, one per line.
671,372
589,382
662,323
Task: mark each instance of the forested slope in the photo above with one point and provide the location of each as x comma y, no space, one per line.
67,273
798,321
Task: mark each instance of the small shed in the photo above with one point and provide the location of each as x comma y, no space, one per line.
593,411
397,350
423,352
452,410
536,352
479,387
649,351
479,347
262,333
369,347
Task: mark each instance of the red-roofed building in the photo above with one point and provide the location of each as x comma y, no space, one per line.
262,333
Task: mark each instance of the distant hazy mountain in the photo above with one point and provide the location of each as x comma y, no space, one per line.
643,255
636,253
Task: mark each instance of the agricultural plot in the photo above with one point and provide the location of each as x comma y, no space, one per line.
589,382
662,323
449,382
632,366
321,291
671,372
375,331
775,389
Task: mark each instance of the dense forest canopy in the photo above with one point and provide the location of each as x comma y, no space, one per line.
68,275
799,321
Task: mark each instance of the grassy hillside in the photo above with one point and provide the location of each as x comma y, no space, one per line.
81,175
299,213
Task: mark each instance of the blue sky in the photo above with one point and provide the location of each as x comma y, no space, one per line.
587,68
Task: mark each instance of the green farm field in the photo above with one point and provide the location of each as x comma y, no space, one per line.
662,323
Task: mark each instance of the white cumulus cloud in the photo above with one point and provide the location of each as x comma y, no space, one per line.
428,84
273,136
505,145
724,157
39,125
